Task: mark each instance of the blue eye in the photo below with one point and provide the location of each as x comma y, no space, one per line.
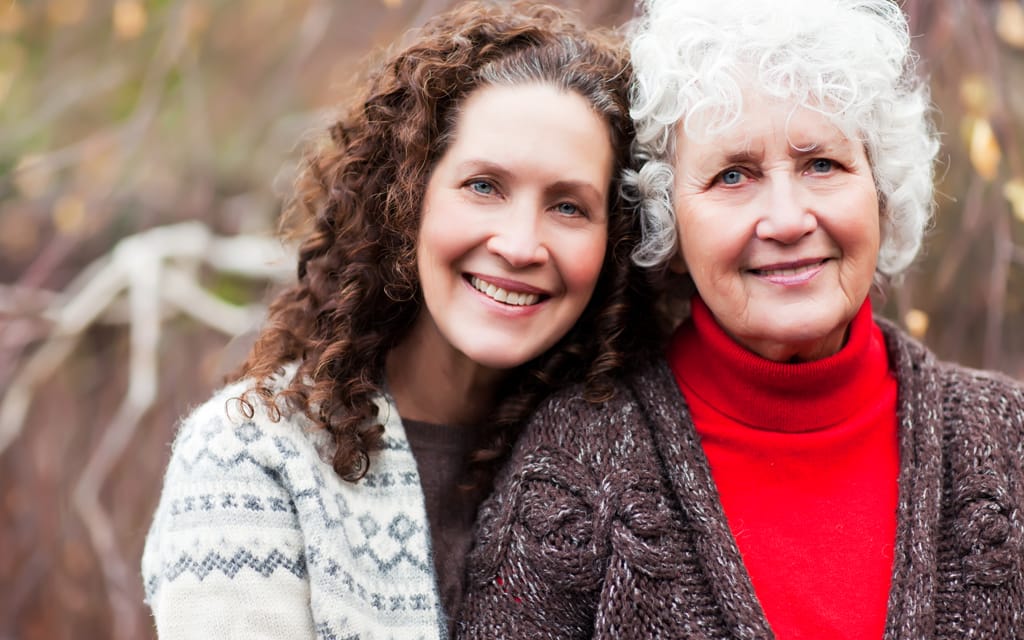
822,165
567,209
482,187
731,176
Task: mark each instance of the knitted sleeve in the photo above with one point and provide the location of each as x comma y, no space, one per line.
543,538
224,557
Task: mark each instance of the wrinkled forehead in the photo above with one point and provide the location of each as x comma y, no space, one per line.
751,109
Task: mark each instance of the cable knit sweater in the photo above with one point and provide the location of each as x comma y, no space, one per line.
255,535
606,522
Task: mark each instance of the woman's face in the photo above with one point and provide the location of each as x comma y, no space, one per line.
779,228
514,225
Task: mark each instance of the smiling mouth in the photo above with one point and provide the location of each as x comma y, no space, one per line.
792,269
503,296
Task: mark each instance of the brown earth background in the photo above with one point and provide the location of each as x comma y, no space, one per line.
122,116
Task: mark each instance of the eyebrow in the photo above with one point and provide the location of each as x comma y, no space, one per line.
827,148
588,188
474,164
742,157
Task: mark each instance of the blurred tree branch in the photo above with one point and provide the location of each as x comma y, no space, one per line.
154,270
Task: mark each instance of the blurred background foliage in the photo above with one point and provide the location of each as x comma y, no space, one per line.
121,116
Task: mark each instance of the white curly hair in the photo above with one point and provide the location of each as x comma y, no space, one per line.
849,59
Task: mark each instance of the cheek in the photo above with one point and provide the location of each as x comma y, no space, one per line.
861,233
436,241
582,261
864,221
711,249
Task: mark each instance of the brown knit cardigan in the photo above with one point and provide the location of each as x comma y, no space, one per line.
606,522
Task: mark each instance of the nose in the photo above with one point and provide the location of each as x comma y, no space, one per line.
786,216
517,239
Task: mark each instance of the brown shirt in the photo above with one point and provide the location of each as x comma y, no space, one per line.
441,452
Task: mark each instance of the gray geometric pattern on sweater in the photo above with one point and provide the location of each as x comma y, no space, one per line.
231,566
257,499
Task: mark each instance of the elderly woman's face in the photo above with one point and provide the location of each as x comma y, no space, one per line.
779,227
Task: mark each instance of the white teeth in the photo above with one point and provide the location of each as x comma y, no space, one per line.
499,294
788,271
782,272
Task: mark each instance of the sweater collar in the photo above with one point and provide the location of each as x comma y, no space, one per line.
761,393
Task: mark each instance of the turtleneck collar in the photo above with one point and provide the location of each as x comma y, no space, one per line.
764,394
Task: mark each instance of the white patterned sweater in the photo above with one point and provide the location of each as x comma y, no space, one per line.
257,537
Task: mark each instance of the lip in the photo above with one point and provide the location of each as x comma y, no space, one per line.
791,273
510,287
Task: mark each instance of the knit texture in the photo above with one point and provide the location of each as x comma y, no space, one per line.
255,536
606,522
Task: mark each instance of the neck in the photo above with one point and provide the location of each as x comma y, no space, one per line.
440,386
777,396
796,352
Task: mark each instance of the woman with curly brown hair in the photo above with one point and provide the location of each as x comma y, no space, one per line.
466,253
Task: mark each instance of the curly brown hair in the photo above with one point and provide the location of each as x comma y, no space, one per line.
359,197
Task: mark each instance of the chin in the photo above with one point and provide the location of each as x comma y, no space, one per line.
806,327
810,344
501,358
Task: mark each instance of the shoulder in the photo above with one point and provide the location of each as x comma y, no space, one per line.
983,403
914,362
962,395
233,431
568,420
233,460
234,445
227,519
573,455
967,382
545,533
967,433
251,505
233,473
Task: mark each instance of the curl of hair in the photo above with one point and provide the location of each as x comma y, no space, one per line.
357,205
848,59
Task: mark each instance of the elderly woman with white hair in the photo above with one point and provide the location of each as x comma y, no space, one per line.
789,466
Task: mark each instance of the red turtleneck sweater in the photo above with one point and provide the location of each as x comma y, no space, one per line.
805,460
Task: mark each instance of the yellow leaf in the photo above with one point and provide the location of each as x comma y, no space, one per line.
69,214
12,56
392,4
6,82
12,17
1010,23
129,19
32,177
99,167
12,59
976,94
917,322
1014,192
66,11
984,150
195,19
